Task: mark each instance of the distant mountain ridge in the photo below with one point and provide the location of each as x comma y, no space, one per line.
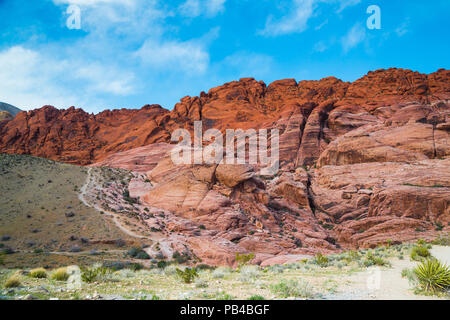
9,108
309,115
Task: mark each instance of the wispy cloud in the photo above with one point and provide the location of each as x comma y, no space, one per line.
189,56
195,8
31,79
343,4
354,36
402,29
299,12
320,47
294,22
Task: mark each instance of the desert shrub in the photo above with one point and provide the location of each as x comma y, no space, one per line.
170,270
6,250
94,273
221,273
419,252
433,275
187,275
138,253
12,282
439,226
142,255
2,259
180,258
162,264
136,266
372,259
60,274
243,259
321,260
38,273
442,240
205,267
249,273
410,275
256,297
293,288
276,268
421,242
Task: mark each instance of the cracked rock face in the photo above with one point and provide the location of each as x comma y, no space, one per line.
360,163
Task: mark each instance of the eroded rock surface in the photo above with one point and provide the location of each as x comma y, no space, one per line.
360,163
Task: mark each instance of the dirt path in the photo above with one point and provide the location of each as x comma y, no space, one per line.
385,283
164,245
82,197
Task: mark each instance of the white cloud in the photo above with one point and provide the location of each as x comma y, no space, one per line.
294,22
31,79
188,56
354,36
347,3
195,8
320,47
94,2
191,9
298,14
402,29
214,7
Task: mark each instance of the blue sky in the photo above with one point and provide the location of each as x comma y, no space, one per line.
129,53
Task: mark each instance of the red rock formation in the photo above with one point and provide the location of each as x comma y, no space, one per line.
360,162
309,115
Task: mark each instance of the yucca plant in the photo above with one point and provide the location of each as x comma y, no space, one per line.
433,275
188,274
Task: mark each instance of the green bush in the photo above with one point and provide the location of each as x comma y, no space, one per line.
38,273
442,240
138,253
293,288
321,260
12,282
371,260
187,275
243,259
410,275
180,258
433,275
419,253
60,274
92,274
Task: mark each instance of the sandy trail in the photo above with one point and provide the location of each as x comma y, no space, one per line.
82,197
385,283
157,239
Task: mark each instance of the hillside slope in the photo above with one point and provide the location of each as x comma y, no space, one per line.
9,108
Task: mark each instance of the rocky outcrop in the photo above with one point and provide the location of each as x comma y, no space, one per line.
360,163
371,202
309,115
